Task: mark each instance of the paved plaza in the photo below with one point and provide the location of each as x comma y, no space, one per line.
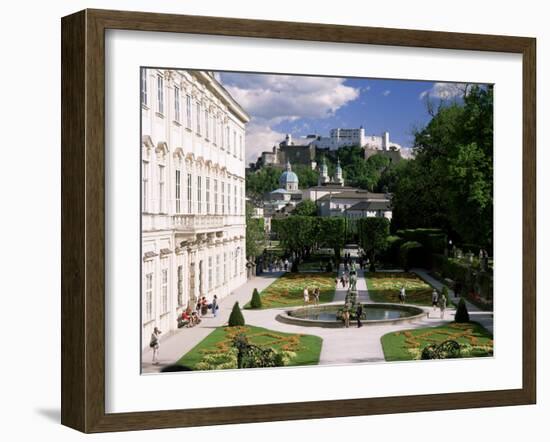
340,345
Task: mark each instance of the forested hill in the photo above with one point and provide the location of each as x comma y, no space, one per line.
375,174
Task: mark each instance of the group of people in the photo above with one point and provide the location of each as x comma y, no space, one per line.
278,265
203,306
188,318
315,294
439,300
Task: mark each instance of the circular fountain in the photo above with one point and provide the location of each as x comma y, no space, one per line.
331,315
328,315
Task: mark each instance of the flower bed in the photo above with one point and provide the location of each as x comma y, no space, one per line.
288,290
385,287
216,351
474,341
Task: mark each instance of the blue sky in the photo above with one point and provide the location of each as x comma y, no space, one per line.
301,105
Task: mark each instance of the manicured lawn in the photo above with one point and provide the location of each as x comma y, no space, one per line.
474,340
288,290
385,286
215,352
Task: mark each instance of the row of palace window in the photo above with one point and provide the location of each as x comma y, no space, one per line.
216,198
214,128
214,280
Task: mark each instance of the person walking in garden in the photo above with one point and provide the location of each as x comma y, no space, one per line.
155,345
215,305
359,313
306,296
402,295
316,295
435,299
442,305
346,315
198,307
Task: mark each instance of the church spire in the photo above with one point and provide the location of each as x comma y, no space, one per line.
338,179
323,173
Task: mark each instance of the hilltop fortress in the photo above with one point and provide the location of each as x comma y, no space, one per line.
303,150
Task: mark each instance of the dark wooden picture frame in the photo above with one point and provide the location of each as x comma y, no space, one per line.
83,220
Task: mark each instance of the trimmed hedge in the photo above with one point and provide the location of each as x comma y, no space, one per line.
391,254
434,240
412,254
236,318
462,314
256,301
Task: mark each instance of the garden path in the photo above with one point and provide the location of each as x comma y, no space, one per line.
340,292
485,318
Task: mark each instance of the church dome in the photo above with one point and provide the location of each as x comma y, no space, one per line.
288,177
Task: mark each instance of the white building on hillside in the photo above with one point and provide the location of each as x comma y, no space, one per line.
192,193
355,203
356,137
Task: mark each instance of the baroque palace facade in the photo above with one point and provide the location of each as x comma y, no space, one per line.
192,193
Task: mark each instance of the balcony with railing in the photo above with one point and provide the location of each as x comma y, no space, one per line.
197,222
172,218
188,223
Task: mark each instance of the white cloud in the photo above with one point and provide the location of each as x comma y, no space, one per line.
260,138
274,99
444,91
278,98
386,93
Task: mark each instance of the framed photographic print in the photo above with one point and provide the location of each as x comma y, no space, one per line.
267,221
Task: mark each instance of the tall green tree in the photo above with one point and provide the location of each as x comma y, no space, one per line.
449,183
297,234
332,233
373,235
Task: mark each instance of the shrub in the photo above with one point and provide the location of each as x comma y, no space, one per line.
462,314
412,254
253,356
256,301
435,240
391,254
236,318
372,267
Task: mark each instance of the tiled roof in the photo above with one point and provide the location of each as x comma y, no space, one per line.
370,205
359,195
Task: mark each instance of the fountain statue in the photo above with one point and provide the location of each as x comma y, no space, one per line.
352,282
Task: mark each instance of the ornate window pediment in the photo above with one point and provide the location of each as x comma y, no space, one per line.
178,154
161,150
146,141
